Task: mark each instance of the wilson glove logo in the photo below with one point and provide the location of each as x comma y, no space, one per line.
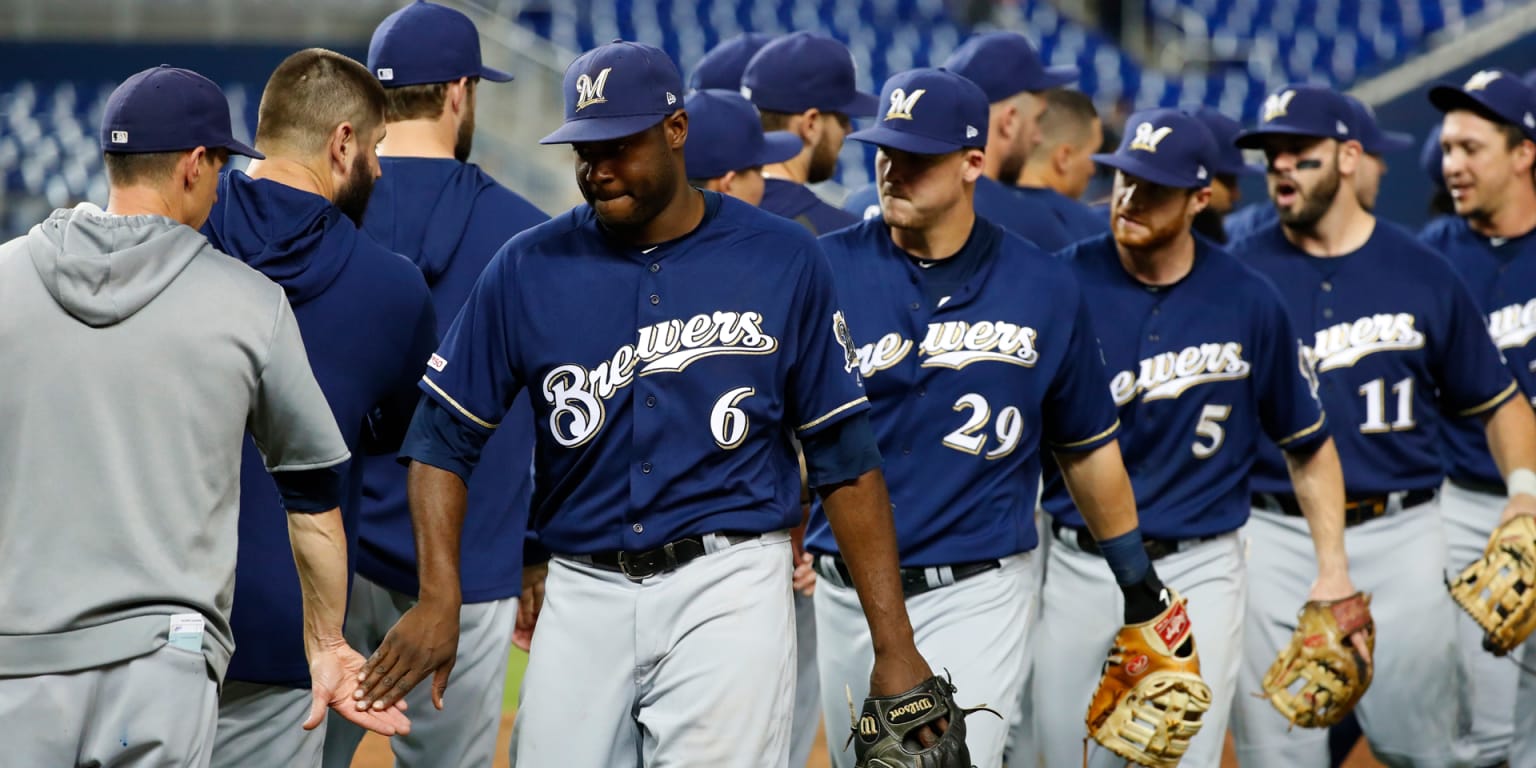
1147,138
577,393
589,90
911,710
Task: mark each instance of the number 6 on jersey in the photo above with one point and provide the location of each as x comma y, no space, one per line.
727,422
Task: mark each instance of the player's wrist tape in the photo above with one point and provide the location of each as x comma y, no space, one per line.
1521,480
1127,557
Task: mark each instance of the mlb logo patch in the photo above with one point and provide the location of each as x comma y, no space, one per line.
437,363
386,73
119,137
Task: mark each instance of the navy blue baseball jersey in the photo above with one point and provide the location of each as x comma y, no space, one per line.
796,202
999,204
1395,339
967,384
666,381
1249,219
367,322
450,218
1202,371
1078,219
1502,277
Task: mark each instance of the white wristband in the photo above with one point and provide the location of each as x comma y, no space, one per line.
1521,480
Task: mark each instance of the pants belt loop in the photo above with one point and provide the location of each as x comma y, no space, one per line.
829,570
939,576
1395,502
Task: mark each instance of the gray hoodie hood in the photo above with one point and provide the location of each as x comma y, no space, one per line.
102,268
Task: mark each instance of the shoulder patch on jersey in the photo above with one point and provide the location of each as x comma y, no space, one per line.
845,339
437,363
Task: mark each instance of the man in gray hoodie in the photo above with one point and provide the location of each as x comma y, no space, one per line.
141,357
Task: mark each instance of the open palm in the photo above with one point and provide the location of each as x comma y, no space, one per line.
334,673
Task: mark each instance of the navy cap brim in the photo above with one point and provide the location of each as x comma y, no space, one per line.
863,105
779,146
1253,138
882,136
1056,77
601,128
1391,141
238,148
494,75
1241,169
1141,170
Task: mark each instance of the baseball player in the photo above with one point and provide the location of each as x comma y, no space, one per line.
721,68
803,83
948,304
366,319
1226,169
672,340
1395,339
143,356
1199,382
1373,167
449,217
729,147
1489,140
725,153
1009,71
1058,169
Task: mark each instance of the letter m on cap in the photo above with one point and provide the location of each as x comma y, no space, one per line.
1147,139
902,104
589,90
1481,80
1276,105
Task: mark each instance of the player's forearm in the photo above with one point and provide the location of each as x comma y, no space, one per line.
1318,480
1101,489
320,551
1511,433
860,515
437,498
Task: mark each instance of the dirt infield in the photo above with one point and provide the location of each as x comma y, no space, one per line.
375,752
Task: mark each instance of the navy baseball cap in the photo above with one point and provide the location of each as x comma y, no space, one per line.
1228,160
725,133
1494,92
617,90
723,65
1431,157
1303,110
1004,64
1372,138
166,109
804,70
930,112
427,43
1167,147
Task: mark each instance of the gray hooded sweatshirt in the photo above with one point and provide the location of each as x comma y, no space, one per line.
138,357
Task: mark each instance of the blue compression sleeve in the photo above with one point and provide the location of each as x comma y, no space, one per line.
310,490
1126,557
841,452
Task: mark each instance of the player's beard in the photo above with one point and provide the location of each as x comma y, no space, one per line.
1012,166
1312,203
466,138
352,197
823,160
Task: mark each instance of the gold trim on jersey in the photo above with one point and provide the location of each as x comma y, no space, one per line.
1303,433
1493,402
1095,438
829,414
455,404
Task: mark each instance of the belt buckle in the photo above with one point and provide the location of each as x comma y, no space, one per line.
648,568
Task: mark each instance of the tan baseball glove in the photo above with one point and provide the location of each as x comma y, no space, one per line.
1150,697
1499,589
1319,677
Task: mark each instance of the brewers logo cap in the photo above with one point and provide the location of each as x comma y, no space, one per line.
427,43
1228,160
725,133
166,109
1167,147
929,112
723,66
1495,93
1303,109
1006,63
617,90
803,70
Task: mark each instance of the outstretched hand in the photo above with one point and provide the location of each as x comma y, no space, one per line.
424,642
333,672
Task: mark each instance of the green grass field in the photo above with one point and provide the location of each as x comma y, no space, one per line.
516,663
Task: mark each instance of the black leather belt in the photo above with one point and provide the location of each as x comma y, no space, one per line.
1156,548
642,564
1479,486
914,581
1357,509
